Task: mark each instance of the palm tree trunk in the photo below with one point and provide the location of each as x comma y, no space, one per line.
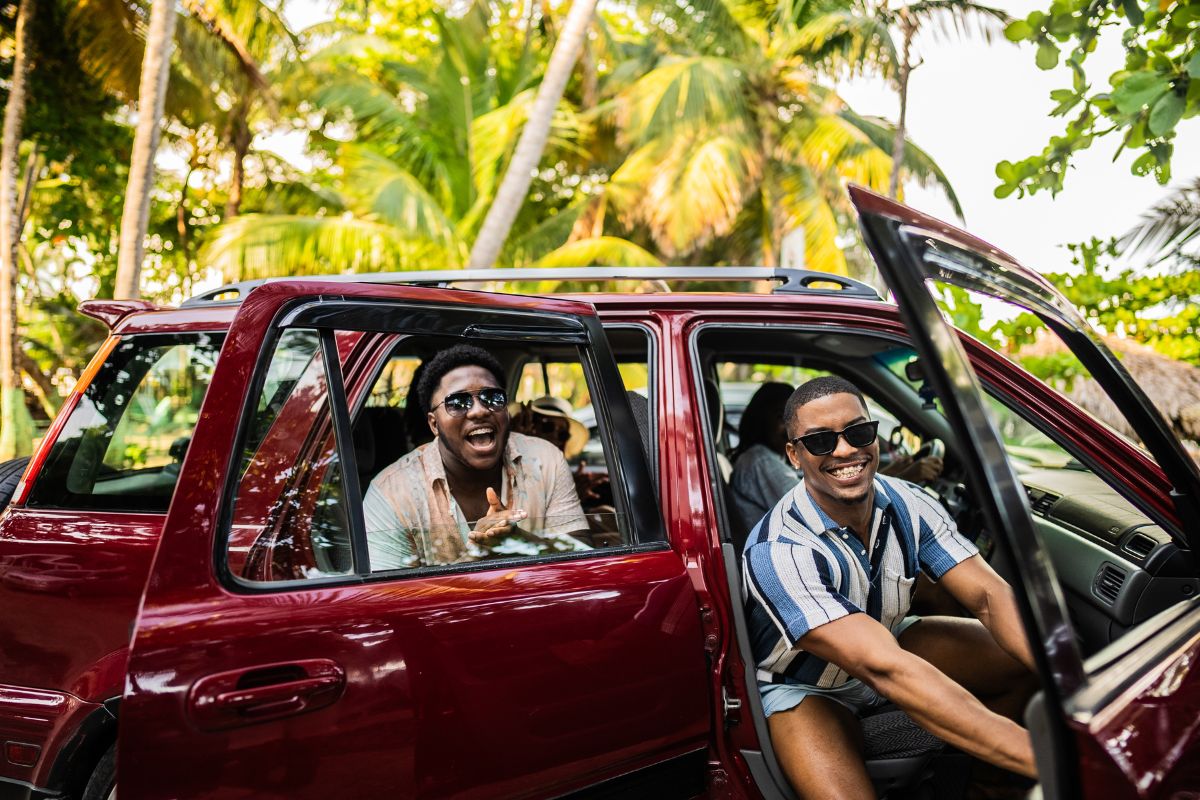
12,399
241,146
904,70
511,194
152,95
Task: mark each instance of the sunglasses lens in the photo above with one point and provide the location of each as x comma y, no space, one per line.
494,399
820,444
458,403
862,434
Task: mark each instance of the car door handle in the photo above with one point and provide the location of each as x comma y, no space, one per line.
264,692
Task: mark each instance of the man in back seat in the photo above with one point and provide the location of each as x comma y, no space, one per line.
477,489
830,571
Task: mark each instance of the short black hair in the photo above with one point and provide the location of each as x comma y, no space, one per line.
815,389
461,355
762,414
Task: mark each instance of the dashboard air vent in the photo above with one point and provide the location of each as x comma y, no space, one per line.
1140,545
1108,583
1041,502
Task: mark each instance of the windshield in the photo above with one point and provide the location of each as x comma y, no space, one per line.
1027,446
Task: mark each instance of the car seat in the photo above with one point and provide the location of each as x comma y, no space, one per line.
898,753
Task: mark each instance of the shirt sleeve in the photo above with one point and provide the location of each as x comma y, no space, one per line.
940,547
388,542
796,587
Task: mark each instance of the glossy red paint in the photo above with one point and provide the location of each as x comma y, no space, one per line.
41,719
1144,745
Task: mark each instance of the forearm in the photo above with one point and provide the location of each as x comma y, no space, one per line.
999,614
950,712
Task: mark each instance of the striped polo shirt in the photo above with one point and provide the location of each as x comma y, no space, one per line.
801,570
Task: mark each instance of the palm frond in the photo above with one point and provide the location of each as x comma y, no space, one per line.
389,193
494,136
950,19
1167,227
917,163
801,201
682,96
844,42
688,191
609,251
257,246
111,36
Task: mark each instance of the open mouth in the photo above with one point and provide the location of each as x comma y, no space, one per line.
481,438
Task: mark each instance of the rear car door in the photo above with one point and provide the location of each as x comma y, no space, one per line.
270,660
1121,723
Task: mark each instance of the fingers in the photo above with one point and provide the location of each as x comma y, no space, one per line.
491,527
494,504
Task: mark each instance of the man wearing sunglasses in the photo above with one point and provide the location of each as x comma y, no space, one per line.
477,485
829,572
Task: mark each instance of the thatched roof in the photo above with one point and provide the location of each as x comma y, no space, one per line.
1173,386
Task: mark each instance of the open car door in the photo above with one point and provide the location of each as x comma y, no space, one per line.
271,659
1123,722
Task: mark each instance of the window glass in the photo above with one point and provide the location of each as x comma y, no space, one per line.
122,446
289,519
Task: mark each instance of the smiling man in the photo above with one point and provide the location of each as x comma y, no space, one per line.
477,489
830,571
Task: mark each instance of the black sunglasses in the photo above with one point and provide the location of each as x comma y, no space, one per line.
459,404
822,443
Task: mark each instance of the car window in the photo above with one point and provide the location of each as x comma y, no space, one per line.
291,517
123,444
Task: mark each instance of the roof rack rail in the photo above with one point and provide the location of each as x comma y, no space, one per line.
791,281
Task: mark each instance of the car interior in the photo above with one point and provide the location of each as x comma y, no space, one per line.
1117,565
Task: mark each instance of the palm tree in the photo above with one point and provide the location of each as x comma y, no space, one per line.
11,396
215,79
734,142
431,141
152,97
863,37
519,174
1168,228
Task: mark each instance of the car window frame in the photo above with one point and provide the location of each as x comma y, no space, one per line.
645,526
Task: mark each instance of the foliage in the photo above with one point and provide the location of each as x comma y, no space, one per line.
1142,103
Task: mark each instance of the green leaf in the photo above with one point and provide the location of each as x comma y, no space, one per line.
1193,69
1047,55
1138,90
1004,190
1133,12
1006,172
1018,31
1166,113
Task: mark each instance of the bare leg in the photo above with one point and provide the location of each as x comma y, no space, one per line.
819,746
966,652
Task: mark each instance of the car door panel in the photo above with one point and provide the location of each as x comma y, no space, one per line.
528,679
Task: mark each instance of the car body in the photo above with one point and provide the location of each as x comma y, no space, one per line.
228,618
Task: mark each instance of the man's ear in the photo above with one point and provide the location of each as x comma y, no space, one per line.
432,420
793,456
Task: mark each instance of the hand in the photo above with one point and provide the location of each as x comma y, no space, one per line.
586,484
498,521
922,470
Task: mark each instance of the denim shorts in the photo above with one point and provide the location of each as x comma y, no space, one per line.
853,694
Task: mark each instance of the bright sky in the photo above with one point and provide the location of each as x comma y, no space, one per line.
972,105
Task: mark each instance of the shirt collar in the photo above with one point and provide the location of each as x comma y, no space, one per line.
881,503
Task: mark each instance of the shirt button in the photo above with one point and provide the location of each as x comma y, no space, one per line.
864,552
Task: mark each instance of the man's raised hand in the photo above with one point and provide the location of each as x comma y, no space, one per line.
498,521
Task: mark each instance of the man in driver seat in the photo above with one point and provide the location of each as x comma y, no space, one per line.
829,572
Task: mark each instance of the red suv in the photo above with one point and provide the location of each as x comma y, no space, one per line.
188,588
